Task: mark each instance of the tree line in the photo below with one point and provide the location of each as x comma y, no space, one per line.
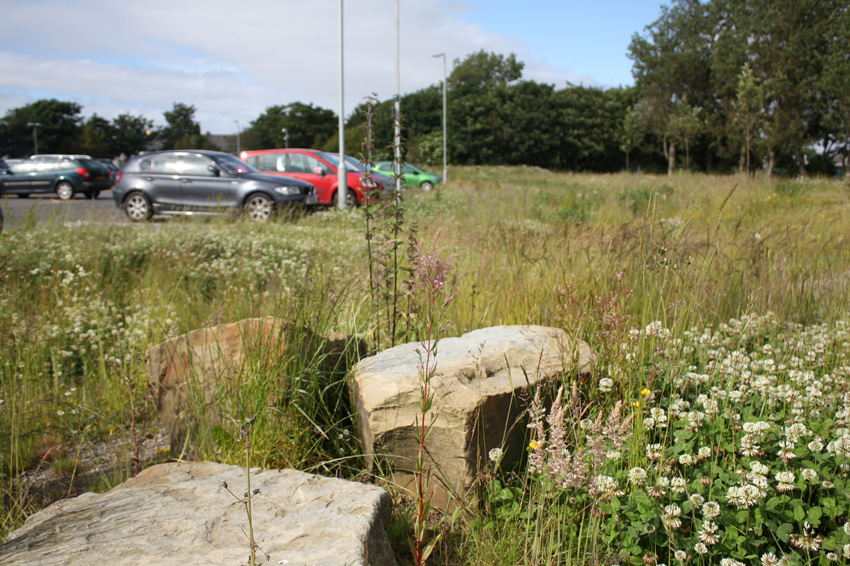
720,85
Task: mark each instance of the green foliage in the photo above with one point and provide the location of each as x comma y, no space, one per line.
181,130
308,126
58,129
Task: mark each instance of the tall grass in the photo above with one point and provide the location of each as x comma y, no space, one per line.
598,255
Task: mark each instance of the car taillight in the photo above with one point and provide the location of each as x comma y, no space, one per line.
84,173
118,178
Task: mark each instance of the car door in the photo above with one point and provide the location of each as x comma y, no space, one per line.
16,179
43,173
304,166
161,175
206,186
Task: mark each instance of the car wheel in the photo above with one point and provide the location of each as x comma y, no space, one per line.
351,199
426,185
259,207
64,190
23,195
138,207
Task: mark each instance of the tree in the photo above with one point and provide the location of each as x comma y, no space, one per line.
95,137
835,84
308,126
683,125
482,70
631,133
747,112
58,130
131,134
182,131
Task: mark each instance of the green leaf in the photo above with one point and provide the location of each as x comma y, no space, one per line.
772,503
813,517
799,512
783,532
741,516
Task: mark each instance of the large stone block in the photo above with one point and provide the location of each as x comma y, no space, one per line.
480,387
191,368
177,514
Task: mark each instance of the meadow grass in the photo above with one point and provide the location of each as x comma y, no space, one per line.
710,302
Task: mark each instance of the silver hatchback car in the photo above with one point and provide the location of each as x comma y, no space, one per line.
204,182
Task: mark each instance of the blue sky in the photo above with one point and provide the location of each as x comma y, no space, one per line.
232,60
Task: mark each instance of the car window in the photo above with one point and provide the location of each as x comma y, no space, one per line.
408,169
302,163
233,165
165,163
194,164
64,164
271,162
45,163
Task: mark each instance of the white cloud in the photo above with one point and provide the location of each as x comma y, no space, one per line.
231,60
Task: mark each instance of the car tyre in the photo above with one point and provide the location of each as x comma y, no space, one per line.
258,207
64,190
426,185
23,195
137,206
351,199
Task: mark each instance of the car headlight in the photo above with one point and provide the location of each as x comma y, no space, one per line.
287,190
369,184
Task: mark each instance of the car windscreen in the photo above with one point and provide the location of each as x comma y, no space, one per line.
233,165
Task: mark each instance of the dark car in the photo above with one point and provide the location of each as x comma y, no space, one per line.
203,182
65,175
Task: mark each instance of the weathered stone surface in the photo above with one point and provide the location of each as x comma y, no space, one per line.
480,389
177,514
193,365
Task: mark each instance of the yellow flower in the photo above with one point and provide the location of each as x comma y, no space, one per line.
644,391
532,445
635,403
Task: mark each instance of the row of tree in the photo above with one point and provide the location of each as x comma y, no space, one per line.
720,85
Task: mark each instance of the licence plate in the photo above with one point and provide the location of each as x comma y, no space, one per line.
101,177
311,199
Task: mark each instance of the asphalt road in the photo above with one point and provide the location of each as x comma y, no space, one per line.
18,210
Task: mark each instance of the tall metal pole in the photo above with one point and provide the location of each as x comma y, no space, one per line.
397,108
285,137
443,55
35,126
342,176
238,142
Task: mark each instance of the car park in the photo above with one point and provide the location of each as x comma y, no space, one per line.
320,169
411,175
188,182
65,175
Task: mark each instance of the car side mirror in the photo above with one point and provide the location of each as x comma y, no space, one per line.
214,170
319,171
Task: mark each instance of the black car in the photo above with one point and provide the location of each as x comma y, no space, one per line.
203,182
65,175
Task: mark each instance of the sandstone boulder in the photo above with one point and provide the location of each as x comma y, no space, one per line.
177,514
481,388
195,367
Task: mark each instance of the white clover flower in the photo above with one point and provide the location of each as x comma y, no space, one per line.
700,548
815,446
704,452
495,455
649,423
809,474
696,500
585,424
680,555
606,384
757,467
831,556
678,485
769,559
686,459
653,451
663,481
637,476
847,529
613,455
786,481
730,562
670,518
846,551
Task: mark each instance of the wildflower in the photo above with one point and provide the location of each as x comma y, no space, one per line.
846,551
607,487
730,562
533,444
606,384
809,474
785,453
637,476
703,452
806,541
653,451
700,548
686,459
680,555
635,404
847,529
742,497
827,484
644,391
670,518
708,533
831,556
769,559
696,500
585,424
678,485
710,510
815,446
786,481
60,413
495,455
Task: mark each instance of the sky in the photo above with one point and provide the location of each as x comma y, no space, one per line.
233,60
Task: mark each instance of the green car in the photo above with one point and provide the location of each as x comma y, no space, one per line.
411,175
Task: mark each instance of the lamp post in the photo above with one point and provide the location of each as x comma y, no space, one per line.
35,126
238,142
285,137
397,108
443,55
342,175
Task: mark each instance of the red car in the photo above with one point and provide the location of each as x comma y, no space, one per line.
315,167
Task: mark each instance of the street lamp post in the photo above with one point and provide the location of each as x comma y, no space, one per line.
285,137
35,126
238,142
342,175
445,158
397,108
